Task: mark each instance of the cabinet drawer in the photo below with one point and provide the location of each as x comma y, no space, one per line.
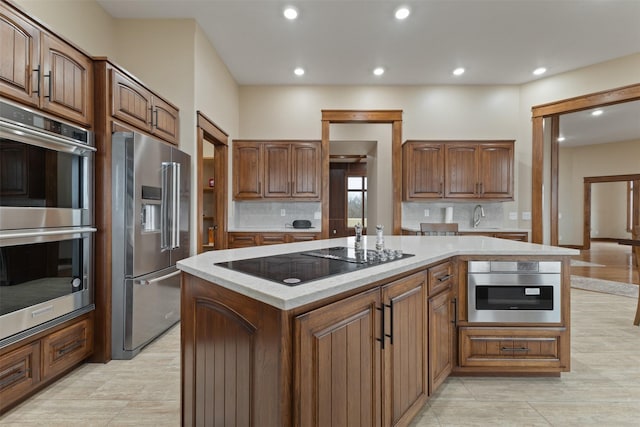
66,347
273,239
238,240
19,373
509,348
441,277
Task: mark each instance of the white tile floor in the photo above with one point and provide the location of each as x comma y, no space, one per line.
603,387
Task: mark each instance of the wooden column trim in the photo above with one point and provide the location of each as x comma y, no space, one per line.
325,178
555,178
396,175
537,158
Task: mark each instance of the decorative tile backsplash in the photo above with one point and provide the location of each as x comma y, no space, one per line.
413,213
266,215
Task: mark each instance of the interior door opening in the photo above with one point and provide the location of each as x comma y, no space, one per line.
348,201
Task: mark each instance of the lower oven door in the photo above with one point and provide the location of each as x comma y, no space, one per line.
44,274
514,298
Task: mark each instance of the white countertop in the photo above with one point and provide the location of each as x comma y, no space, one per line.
427,250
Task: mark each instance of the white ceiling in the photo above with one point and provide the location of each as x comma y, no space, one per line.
340,42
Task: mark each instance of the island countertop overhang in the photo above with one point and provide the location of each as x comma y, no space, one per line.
427,250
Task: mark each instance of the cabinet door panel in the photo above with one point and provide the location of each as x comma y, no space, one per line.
461,179
441,339
305,172
277,180
19,51
242,240
66,348
338,363
131,101
247,170
67,84
405,358
424,171
496,163
19,373
165,120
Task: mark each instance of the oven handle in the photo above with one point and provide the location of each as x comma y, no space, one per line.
45,140
42,235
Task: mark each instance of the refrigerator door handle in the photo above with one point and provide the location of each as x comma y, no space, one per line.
145,282
165,214
175,206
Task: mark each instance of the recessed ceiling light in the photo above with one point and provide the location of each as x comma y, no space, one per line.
299,71
402,13
596,112
458,71
378,71
540,70
290,13
561,138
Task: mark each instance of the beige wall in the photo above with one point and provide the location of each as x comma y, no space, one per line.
608,213
182,65
593,160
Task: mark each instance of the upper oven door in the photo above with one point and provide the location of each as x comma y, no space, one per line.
46,180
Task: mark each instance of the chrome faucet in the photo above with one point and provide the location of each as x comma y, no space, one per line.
478,213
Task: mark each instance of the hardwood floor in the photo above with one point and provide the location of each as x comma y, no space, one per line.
613,262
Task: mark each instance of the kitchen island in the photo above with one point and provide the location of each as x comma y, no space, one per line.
365,348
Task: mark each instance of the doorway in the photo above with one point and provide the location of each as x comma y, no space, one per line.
348,189
211,185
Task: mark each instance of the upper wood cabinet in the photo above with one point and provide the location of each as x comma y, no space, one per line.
423,172
281,170
458,170
479,170
41,70
138,106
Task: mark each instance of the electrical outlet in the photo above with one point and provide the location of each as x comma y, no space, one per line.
427,212
317,215
283,212
513,216
526,216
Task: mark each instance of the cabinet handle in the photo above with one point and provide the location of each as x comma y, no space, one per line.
259,187
481,188
37,91
14,377
454,301
382,335
444,278
155,125
390,336
69,348
515,349
441,189
49,77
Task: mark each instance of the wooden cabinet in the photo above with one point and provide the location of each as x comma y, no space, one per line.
138,106
442,323
41,70
377,337
423,170
479,170
245,239
338,363
458,170
512,348
276,170
31,364
19,373
67,347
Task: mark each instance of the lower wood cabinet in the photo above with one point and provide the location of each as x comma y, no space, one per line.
243,239
371,340
513,348
30,365
510,235
442,318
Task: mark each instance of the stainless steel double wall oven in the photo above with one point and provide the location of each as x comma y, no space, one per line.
46,221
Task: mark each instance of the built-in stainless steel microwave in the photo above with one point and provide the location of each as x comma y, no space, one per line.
514,291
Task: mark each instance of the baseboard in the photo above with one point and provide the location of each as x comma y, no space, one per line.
607,239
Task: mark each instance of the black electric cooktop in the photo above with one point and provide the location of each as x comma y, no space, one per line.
302,267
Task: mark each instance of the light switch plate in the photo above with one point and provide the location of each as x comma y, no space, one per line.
526,216
426,212
317,215
513,216
283,212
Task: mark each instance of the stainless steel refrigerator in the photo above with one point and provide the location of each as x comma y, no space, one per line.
150,232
